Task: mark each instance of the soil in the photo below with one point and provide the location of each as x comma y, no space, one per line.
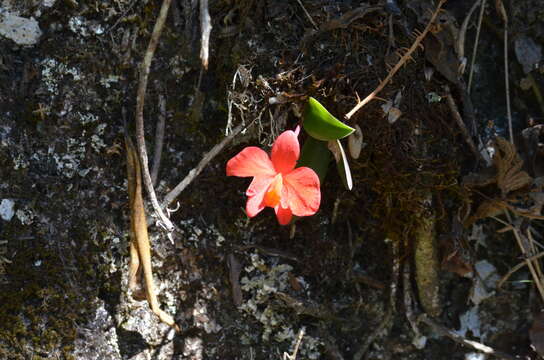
347,283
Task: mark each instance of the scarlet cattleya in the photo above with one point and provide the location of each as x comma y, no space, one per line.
276,183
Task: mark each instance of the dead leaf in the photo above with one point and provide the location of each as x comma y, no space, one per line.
455,257
487,208
391,108
393,115
510,177
355,142
140,269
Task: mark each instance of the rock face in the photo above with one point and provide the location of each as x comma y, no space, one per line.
21,30
69,72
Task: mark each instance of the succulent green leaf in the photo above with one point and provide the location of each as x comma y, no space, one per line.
316,156
321,125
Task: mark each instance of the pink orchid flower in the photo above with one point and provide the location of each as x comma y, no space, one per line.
276,183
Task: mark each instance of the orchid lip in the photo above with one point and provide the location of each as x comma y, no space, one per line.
273,194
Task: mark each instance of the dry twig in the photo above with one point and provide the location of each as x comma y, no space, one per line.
502,12
159,139
341,22
460,43
517,267
475,50
424,318
461,124
308,15
523,243
140,100
293,356
407,56
172,195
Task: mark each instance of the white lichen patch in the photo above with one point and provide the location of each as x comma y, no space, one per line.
86,118
54,71
201,237
98,338
112,79
80,26
19,162
202,319
69,163
262,281
470,321
97,143
115,258
193,348
6,209
25,216
48,3
485,282
4,135
179,66
77,26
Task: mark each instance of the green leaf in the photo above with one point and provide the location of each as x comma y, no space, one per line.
321,125
316,156
341,163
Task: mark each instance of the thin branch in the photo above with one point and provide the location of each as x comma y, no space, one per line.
533,244
293,356
424,318
475,49
159,139
459,120
172,195
140,100
308,15
407,56
502,12
507,84
460,43
521,240
205,30
516,268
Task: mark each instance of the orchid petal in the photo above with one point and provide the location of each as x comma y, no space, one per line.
284,215
303,192
285,152
251,161
258,184
255,193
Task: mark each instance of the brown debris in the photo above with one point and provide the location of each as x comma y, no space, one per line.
140,252
509,177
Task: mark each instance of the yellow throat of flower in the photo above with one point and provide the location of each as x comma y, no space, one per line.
273,194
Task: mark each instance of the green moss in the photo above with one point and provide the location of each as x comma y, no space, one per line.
44,299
